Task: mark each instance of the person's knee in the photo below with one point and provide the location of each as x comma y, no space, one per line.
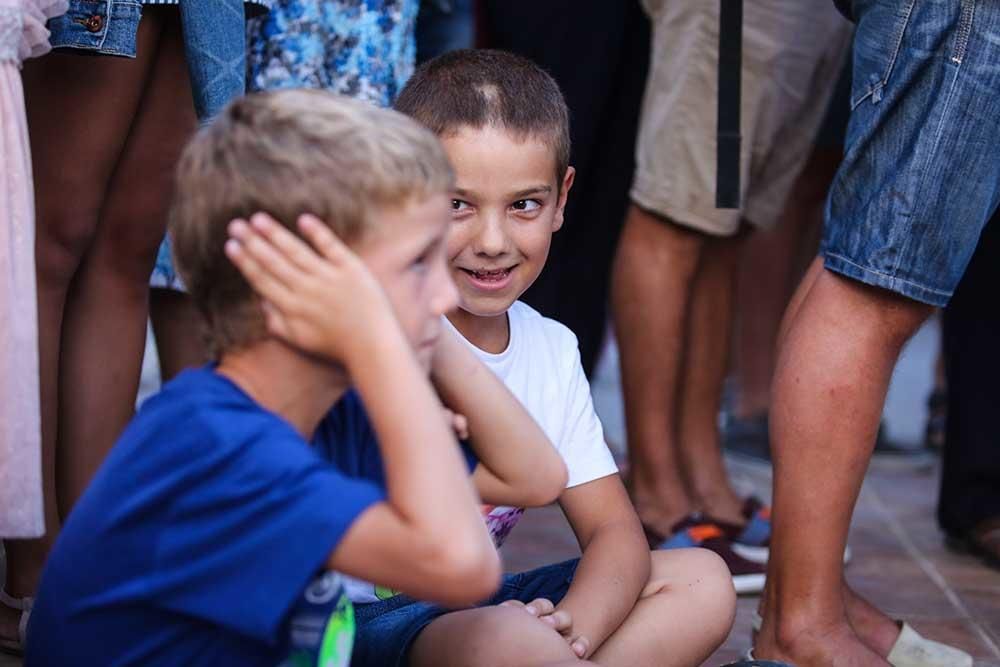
703,577
62,237
130,238
890,316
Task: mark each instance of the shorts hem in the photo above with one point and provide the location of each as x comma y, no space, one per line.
845,267
683,217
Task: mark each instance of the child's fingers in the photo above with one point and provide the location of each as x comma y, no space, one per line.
540,607
297,252
262,282
461,425
322,238
559,620
580,646
265,254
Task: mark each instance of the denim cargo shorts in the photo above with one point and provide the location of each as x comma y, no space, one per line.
921,171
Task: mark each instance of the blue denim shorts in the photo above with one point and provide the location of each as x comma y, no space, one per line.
387,629
921,171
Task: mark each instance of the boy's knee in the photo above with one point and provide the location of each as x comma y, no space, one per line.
701,574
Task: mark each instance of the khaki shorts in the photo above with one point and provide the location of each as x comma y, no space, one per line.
793,52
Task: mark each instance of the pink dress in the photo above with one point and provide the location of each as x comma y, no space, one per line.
22,35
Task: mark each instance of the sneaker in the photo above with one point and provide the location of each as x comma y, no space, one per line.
752,540
696,531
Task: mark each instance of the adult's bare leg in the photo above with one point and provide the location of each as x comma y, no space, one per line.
79,112
706,361
177,327
104,330
833,373
653,275
771,267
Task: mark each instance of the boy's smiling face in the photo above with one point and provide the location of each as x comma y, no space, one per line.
506,205
405,251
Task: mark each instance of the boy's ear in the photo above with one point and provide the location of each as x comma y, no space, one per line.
567,183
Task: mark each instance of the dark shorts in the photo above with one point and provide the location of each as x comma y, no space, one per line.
921,171
387,629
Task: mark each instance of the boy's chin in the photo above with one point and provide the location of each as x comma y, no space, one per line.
486,308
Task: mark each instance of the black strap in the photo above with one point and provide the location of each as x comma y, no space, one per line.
727,184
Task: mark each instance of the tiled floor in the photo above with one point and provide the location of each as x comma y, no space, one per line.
899,561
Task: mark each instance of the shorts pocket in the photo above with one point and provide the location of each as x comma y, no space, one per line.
878,39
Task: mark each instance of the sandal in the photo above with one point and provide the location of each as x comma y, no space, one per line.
23,605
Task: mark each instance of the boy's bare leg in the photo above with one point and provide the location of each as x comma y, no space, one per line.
839,349
651,291
706,361
495,636
684,613
177,328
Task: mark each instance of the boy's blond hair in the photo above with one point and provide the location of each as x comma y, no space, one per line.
287,153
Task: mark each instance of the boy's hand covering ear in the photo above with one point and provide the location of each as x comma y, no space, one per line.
557,619
314,298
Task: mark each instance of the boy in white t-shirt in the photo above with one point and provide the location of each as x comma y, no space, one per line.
504,125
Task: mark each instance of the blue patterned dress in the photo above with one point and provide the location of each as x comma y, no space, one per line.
363,49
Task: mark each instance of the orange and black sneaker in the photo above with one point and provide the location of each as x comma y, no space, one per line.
697,531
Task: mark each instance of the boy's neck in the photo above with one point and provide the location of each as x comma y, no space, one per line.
490,334
286,382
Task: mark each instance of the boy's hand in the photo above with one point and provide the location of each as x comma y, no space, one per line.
315,300
559,620
458,423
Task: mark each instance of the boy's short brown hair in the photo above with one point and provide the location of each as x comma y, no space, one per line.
287,153
481,87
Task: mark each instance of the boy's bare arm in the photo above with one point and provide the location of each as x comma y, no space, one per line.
615,563
428,539
517,463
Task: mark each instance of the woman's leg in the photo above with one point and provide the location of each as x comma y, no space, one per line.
104,330
177,327
683,614
79,112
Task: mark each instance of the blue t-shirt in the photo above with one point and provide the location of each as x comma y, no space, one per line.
203,538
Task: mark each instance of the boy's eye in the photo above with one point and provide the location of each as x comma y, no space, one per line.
526,205
458,205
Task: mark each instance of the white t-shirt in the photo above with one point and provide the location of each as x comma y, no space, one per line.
541,367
